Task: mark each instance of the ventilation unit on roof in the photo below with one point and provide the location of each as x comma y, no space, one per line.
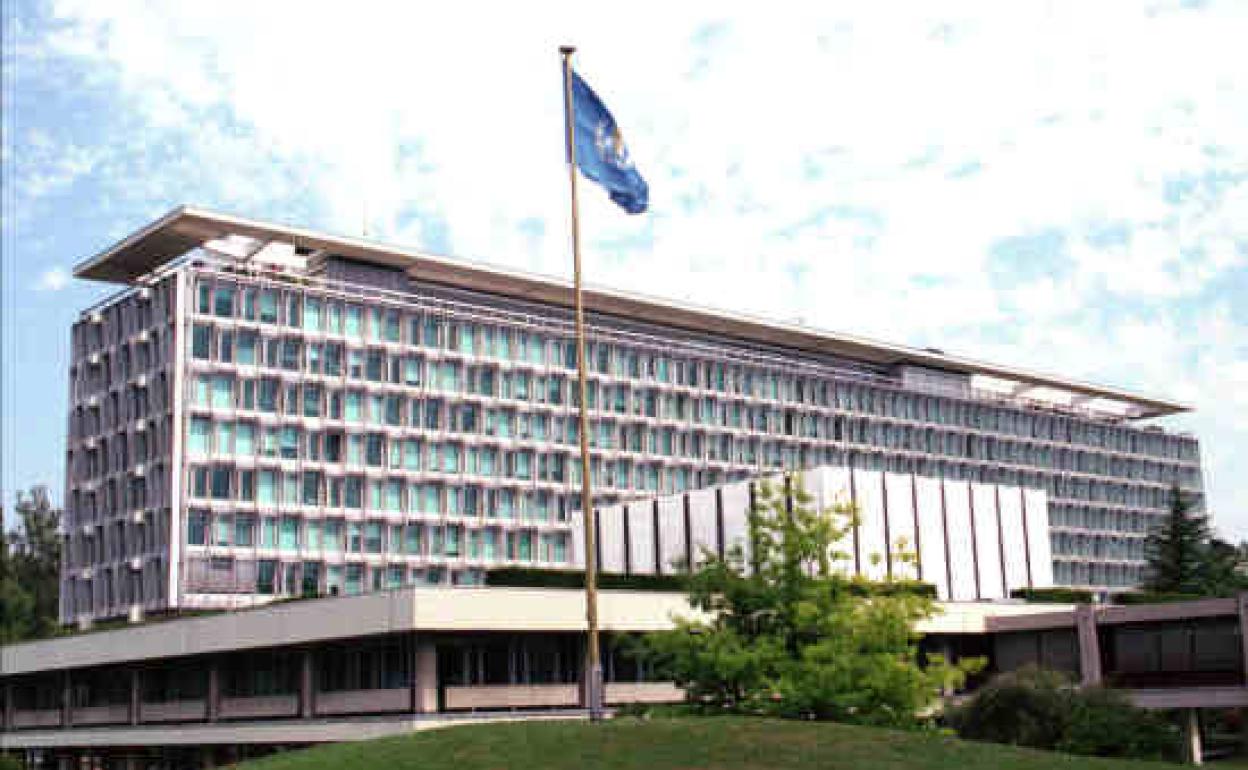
936,381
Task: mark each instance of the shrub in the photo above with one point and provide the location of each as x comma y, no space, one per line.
1103,724
1024,708
519,577
1152,597
1042,709
1053,595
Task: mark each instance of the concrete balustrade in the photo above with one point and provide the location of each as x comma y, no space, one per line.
111,714
26,718
512,696
260,707
174,711
643,692
363,701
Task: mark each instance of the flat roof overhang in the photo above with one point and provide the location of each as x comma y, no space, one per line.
186,228
414,609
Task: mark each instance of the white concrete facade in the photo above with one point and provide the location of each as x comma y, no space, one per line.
971,541
267,412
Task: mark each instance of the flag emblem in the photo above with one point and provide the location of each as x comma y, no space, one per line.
601,153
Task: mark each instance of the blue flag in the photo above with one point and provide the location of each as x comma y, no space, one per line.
601,153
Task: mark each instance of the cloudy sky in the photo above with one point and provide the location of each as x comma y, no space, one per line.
1062,186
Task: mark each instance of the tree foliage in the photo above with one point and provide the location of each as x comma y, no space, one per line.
1184,558
30,560
786,633
1043,710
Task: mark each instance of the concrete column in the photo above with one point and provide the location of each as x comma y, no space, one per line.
214,689
136,696
6,709
1089,645
425,681
307,684
1192,751
1242,605
67,701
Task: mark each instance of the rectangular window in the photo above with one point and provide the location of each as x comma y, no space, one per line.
201,341
372,537
221,478
312,314
223,524
244,530
355,579
394,496
351,409
355,322
225,438
314,532
246,348
222,392
333,535
290,443
223,302
196,528
245,439
353,492
266,488
197,441
268,532
268,307
311,400
289,534
311,488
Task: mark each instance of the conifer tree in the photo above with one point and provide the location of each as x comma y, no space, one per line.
1177,550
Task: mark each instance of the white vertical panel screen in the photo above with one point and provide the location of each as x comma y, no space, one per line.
900,498
987,541
961,552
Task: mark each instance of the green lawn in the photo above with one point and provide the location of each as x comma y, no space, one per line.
688,744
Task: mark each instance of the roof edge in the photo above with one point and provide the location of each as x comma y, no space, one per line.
156,243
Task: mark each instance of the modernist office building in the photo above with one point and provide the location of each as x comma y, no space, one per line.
263,410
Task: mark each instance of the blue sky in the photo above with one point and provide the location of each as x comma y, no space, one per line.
1061,186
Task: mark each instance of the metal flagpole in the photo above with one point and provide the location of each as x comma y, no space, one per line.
593,672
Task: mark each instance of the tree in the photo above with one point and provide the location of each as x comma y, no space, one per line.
1184,558
30,561
788,634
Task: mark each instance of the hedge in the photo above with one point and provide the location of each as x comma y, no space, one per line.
515,577
1150,597
1053,595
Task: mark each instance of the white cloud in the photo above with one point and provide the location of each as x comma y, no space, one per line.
827,147
53,279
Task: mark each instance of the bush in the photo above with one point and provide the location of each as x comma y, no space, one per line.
1153,597
1043,710
1103,724
1053,595
516,577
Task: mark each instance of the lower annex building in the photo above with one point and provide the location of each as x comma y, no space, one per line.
264,411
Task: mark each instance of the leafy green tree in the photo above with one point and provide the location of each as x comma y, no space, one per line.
30,560
16,604
788,634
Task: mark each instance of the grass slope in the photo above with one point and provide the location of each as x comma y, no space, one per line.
723,742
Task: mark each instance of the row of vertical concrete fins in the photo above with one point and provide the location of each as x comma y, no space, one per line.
971,541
